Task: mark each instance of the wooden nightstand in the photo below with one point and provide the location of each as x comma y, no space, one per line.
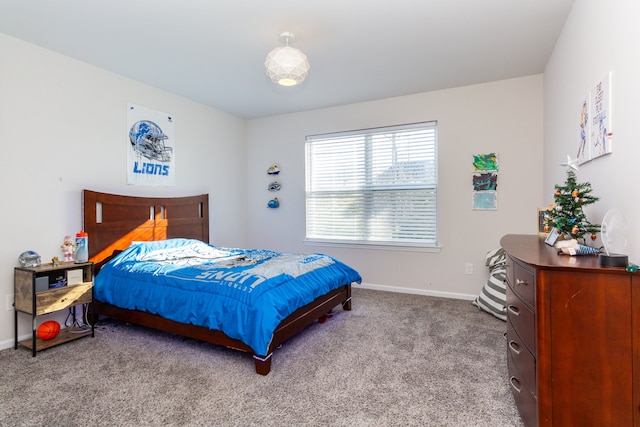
34,297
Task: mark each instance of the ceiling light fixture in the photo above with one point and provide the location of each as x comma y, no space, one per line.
286,65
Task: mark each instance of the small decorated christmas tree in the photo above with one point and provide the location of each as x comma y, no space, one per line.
566,213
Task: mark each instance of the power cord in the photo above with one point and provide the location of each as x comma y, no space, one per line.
78,324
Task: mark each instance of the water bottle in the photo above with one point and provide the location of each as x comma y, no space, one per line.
82,247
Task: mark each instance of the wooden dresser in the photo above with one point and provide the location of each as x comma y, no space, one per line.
573,337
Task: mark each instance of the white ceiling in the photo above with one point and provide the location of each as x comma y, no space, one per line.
213,51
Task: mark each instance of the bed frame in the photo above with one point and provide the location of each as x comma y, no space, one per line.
114,221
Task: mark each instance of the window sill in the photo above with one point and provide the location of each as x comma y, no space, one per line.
405,247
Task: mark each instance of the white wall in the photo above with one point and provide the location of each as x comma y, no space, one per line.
598,37
63,129
503,117
63,126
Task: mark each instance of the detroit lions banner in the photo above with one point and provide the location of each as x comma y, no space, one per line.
150,147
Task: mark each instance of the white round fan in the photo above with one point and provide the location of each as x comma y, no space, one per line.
614,238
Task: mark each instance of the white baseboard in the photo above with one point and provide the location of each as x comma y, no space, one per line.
11,342
413,291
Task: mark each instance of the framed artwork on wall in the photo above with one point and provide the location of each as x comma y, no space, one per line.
601,134
594,128
584,131
485,182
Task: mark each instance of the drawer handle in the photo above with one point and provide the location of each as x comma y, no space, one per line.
514,310
513,346
521,282
515,384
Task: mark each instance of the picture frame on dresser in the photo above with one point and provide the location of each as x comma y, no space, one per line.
553,237
541,214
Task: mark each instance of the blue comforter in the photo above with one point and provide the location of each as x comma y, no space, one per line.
243,293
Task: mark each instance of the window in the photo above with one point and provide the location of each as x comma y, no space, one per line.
375,186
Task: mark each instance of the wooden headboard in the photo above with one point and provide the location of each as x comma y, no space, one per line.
113,221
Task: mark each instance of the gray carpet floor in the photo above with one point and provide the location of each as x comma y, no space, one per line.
394,360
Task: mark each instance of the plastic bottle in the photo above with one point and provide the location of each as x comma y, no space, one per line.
82,247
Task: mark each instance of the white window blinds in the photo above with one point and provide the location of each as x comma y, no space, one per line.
375,186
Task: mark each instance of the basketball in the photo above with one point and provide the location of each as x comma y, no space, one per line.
48,330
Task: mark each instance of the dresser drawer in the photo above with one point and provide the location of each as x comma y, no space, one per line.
522,281
522,394
522,319
522,359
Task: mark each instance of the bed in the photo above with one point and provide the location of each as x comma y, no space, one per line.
170,237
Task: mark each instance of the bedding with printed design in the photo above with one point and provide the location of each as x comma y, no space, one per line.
244,293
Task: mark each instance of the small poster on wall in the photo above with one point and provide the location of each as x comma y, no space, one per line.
150,147
601,135
595,136
485,182
584,131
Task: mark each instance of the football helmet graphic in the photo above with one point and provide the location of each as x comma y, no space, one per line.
273,170
274,186
148,139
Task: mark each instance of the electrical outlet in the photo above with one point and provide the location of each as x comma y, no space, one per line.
468,268
10,302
